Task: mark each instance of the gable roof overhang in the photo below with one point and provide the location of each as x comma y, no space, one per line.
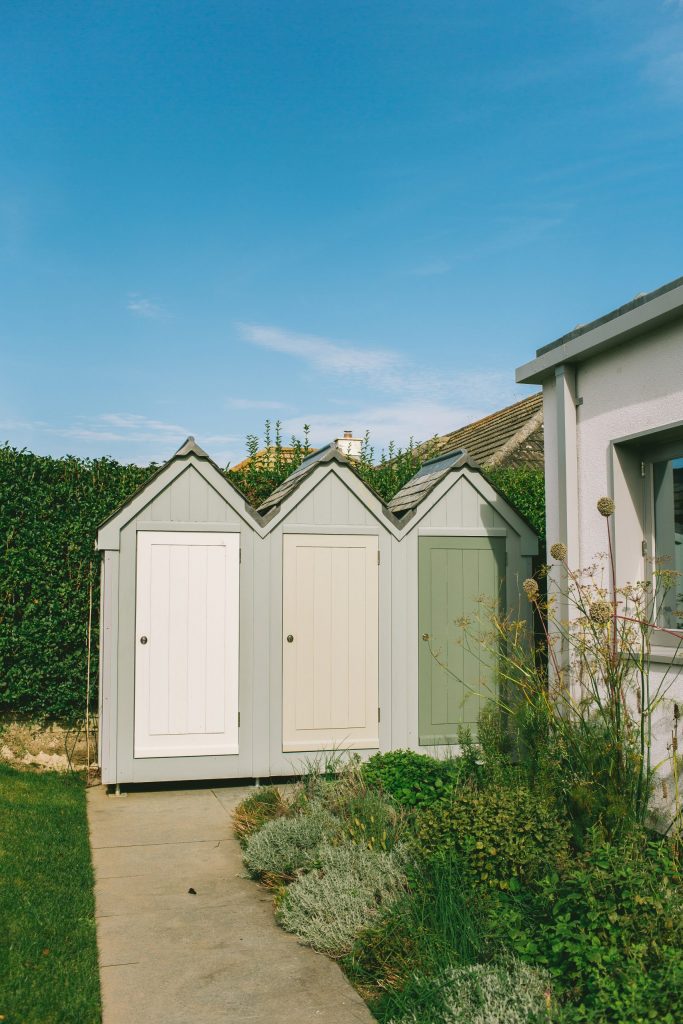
309,474
465,467
644,313
188,455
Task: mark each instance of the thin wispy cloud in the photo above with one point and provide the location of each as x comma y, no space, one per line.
663,63
386,372
326,355
394,421
117,426
146,308
133,437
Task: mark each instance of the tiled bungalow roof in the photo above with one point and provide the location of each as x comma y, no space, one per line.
510,437
267,457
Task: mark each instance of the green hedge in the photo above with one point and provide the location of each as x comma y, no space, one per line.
49,513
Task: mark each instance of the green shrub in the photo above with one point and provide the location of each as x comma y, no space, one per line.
437,922
285,846
328,906
610,931
524,488
49,513
413,780
508,992
504,836
253,812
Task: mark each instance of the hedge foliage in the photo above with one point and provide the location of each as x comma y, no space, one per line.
49,513
50,510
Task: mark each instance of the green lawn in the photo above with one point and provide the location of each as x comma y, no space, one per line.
48,951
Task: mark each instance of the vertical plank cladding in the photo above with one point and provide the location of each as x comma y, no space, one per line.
459,578
463,506
331,664
330,503
187,648
188,499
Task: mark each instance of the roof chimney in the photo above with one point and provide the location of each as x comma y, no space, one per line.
349,445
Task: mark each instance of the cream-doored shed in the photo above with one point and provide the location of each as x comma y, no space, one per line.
237,643
177,653
329,542
461,552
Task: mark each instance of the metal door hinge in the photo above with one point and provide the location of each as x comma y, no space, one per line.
378,557
240,554
379,714
642,469
239,719
643,548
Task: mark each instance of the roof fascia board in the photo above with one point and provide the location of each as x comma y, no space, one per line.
633,322
109,533
489,493
346,475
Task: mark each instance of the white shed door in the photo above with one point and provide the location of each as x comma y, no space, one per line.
330,642
186,644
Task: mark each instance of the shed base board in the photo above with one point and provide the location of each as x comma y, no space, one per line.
330,746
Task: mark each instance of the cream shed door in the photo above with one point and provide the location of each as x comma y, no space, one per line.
186,644
330,664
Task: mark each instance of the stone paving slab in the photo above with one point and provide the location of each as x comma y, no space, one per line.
217,957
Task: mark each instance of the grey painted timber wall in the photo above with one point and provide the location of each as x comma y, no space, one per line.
334,501
463,504
189,494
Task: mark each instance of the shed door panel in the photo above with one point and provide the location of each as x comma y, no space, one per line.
186,673
330,669
459,577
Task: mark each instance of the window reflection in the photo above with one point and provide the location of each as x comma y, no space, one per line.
668,502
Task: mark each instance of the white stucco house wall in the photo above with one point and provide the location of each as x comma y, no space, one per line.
613,415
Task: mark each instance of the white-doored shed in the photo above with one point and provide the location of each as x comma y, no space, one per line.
461,549
177,628
329,542
237,643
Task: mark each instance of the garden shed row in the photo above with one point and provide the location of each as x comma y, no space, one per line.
238,643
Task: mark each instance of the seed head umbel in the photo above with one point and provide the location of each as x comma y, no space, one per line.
530,588
606,507
600,612
559,552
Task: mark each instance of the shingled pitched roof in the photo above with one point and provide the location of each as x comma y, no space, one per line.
267,458
510,437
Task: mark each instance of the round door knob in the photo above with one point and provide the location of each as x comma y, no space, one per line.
290,639
143,639
425,636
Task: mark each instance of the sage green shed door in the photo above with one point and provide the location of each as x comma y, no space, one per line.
459,577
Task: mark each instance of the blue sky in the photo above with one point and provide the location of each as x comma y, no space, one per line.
352,214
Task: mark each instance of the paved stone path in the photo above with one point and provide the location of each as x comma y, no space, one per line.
217,957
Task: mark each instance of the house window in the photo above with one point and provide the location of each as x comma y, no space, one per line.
667,485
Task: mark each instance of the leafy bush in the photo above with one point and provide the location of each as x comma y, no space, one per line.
438,921
508,992
269,465
505,837
610,931
49,513
253,812
328,906
285,846
413,780
524,488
